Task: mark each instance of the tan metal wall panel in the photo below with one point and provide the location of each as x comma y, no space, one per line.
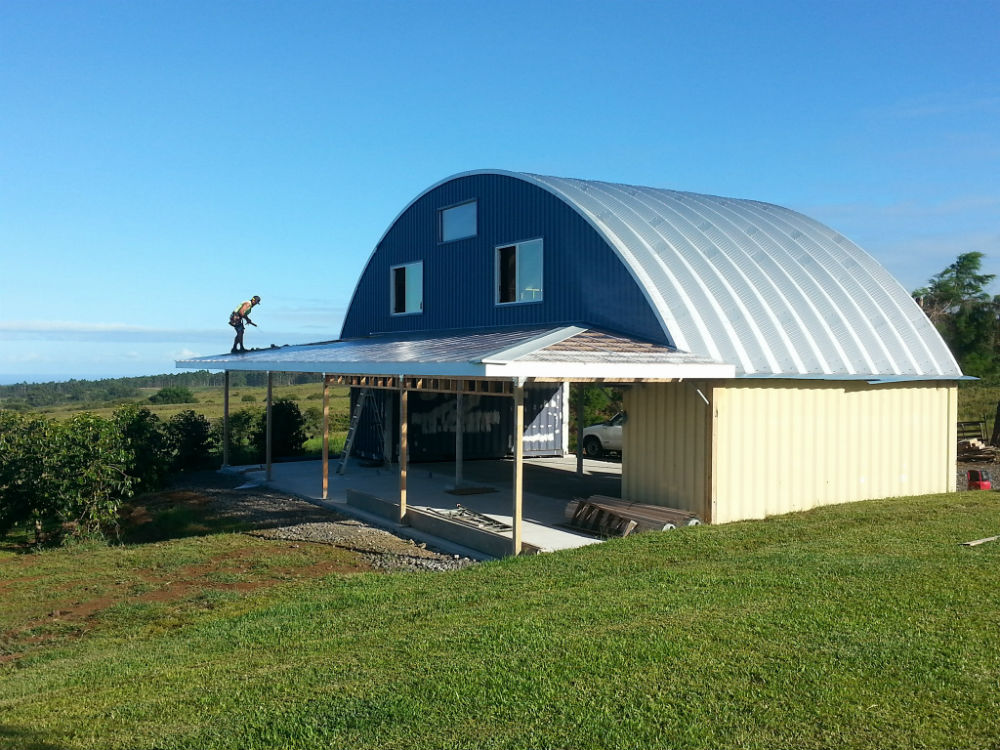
784,446
666,446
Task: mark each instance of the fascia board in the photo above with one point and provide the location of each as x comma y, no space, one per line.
523,370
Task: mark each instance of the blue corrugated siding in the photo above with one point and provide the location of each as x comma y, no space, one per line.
584,280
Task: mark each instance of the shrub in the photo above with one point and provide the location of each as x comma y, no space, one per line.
248,398
92,480
54,475
146,437
287,430
189,436
173,394
26,490
313,421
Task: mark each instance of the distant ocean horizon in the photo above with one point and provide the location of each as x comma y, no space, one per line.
28,377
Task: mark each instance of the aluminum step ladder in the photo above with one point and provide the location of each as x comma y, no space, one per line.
352,429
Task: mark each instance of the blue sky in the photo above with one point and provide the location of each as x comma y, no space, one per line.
162,160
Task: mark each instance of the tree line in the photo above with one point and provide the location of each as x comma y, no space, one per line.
968,317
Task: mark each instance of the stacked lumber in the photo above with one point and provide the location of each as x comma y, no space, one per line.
975,450
609,516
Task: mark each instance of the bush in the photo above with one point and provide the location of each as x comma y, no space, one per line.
26,497
173,394
189,436
92,480
58,476
146,437
287,430
313,421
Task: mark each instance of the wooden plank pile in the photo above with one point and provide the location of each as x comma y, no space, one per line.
609,516
975,450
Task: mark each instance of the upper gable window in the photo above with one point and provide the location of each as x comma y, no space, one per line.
457,222
519,272
406,289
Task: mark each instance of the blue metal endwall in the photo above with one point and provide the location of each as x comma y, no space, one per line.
584,280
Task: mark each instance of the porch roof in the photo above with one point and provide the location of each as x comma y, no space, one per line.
547,353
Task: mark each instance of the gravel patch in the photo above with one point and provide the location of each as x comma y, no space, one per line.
275,515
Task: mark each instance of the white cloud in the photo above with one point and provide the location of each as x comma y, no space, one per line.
940,103
114,333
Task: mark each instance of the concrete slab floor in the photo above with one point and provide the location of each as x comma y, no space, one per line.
549,483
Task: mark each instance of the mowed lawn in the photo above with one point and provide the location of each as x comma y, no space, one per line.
864,625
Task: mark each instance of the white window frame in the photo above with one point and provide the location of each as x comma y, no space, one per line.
517,272
392,287
442,212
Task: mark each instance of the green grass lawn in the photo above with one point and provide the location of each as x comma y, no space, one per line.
864,625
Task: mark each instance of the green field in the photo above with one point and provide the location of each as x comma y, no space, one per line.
209,401
864,625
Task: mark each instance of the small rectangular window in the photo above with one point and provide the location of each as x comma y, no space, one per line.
407,289
519,272
458,222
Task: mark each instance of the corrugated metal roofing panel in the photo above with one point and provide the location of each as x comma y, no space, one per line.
764,287
514,353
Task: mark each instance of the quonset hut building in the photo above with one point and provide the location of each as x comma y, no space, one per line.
772,365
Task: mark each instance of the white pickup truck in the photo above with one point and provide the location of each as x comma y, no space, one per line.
599,439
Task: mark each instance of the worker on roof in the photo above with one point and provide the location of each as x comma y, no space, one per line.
240,314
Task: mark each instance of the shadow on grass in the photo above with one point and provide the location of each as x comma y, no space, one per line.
24,739
209,503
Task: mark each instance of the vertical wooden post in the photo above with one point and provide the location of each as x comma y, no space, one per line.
388,444
459,437
518,465
225,422
267,437
402,450
581,397
326,436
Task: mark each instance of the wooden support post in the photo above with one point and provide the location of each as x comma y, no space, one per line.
225,421
326,437
459,428
518,466
402,454
581,397
267,437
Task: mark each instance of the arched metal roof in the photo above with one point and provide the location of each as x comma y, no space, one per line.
759,286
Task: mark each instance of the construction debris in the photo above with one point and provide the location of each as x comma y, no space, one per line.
974,450
976,542
609,516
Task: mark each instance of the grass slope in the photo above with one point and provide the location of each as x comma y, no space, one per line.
864,625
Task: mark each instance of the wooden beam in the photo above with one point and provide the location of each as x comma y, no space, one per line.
518,468
326,437
459,441
267,437
402,454
490,386
225,421
581,398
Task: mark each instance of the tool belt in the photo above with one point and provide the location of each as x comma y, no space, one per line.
234,319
